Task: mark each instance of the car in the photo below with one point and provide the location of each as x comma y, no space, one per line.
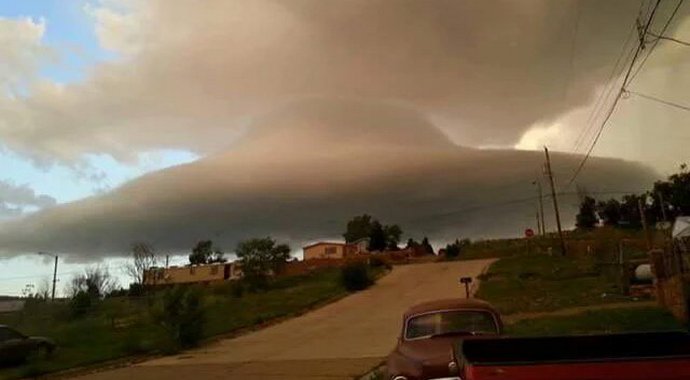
429,332
16,347
623,356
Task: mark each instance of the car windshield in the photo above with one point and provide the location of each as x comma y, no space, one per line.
449,322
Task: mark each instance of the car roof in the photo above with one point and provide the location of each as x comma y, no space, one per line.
449,304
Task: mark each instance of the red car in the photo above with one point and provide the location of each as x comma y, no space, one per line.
636,356
430,331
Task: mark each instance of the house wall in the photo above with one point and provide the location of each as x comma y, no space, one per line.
325,251
192,274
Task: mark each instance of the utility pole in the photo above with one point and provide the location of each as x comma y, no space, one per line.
52,297
167,261
540,211
538,223
644,223
663,206
555,200
54,271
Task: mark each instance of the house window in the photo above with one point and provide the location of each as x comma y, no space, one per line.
331,250
159,274
214,270
192,270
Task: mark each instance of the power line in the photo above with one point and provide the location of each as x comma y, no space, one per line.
666,102
656,42
606,91
670,39
640,46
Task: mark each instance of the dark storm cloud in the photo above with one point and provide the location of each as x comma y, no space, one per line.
304,171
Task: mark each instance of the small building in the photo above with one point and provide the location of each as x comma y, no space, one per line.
205,273
329,250
362,245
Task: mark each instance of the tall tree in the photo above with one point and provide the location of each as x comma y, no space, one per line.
359,227
95,282
143,259
393,233
610,212
587,217
377,237
205,253
260,258
427,246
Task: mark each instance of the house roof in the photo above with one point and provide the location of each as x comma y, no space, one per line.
325,243
449,304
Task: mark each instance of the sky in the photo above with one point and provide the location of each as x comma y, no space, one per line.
126,120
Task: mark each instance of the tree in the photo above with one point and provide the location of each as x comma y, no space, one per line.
427,246
453,250
377,238
392,233
95,282
587,217
675,193
143,259
357,228
610,212
205,253
411,243
260,258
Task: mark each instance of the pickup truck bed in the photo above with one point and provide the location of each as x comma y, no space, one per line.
639,356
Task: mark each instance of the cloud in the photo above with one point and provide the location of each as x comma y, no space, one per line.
14,199
194,77
303,172
22,51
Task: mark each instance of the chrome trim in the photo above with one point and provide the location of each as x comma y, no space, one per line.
407,321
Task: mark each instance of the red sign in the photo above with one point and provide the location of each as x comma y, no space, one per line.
529,232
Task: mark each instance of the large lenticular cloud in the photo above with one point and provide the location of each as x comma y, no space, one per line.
302,172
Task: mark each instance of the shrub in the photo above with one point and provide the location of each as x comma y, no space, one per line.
80,304
182,315
135,290
355,276
237,289
379,262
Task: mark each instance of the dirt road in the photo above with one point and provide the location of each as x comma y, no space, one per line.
339,341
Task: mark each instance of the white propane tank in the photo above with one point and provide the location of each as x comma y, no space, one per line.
643,272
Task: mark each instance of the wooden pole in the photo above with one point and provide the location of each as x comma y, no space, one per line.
555,201
644,223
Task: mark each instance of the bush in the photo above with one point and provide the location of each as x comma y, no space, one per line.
182,315
379,262
355,276
80,304
135,290
237,289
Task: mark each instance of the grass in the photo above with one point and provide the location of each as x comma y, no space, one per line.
598,321
122,327
604,241
545,283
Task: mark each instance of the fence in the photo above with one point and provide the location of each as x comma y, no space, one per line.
671,270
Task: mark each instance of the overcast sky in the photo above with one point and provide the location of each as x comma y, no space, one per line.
284,117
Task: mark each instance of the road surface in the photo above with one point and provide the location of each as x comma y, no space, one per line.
339,341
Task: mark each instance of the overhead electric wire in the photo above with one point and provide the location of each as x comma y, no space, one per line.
656,42
666,102
640,46
605,92
610,82
670,39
